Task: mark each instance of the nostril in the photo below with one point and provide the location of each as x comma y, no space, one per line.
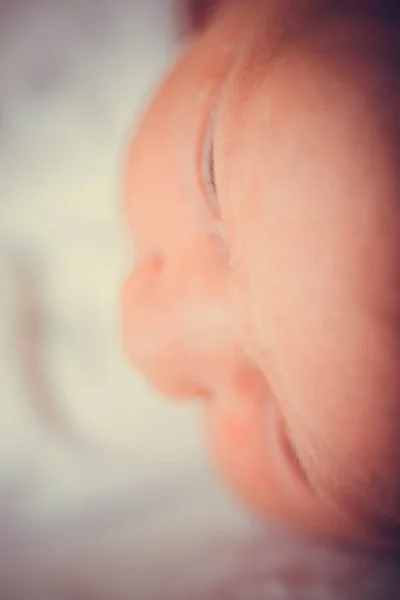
151,265
144,279
156,263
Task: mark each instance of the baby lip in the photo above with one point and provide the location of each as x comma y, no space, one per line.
185,391
196,392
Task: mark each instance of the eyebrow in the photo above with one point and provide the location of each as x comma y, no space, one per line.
199,13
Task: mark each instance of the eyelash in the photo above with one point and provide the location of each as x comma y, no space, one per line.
208,168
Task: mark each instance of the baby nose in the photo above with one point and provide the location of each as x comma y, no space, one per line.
166,331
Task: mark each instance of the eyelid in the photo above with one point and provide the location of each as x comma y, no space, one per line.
209,115
206,158
208,166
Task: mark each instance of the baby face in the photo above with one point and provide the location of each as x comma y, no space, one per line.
262,191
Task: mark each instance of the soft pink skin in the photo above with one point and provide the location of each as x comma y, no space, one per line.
282,310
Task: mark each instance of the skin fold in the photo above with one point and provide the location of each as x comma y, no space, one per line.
262,190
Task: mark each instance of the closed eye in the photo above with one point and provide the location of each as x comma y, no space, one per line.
208,168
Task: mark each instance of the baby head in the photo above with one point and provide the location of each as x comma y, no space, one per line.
262,190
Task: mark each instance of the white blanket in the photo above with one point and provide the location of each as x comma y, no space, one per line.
81,435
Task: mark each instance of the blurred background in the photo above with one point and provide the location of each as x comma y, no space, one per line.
105,489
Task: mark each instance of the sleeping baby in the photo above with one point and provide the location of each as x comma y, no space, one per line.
263,192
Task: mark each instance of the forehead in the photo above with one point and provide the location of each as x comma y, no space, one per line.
338,72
